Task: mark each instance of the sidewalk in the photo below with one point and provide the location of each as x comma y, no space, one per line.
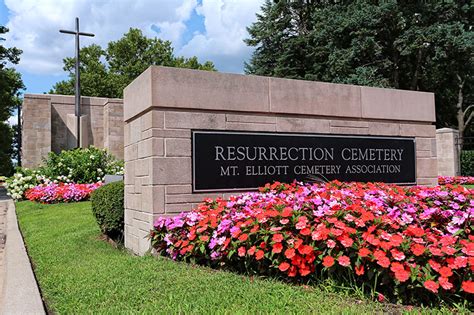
19,293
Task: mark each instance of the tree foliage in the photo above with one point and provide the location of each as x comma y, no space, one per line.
106,72
413,45
10,88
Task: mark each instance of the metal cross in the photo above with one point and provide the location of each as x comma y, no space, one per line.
78,78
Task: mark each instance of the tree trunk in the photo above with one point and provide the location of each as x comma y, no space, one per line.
459,111
414,82
396,71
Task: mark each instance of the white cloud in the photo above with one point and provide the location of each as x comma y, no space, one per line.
34,27
225,23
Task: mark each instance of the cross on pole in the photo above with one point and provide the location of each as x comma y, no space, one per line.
78,78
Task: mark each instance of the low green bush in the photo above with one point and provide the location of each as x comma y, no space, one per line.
467,163
81,166
108,209
21,181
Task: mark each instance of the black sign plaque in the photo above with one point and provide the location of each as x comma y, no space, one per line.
226,161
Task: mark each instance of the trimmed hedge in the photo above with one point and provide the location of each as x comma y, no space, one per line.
467,163
108,209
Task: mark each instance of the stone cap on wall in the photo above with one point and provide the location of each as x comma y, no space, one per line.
165,87
447,130
69,99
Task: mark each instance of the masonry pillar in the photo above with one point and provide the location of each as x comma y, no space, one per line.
72,130
448,152
36,129
113,127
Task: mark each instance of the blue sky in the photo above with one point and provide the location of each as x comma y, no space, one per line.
209,29
35,83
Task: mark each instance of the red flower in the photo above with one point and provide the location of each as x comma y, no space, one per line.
445,284
448,250
445,272
431,286
284,266
298,243
242,251
336,232
468,249
287,212
344,261
255,229
381,297
364,252
397,255
415,231
290,253
304,270
347,242
418,249
460,262
305,249
204,238
243,237
396,266
320,234
305,231
302,221
396,240
252,250
328,261
277,238
434,265
468,286
372,240
435,251
359,270
293,272
259,254
402,275
379,254
384,262
277,248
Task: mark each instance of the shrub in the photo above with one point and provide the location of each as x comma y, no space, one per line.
108,209
81,165
61,192
411,244
21,181
467,163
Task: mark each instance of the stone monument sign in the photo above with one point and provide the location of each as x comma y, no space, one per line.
193,134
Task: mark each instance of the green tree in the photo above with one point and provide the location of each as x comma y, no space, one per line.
413,45
106,72
10,88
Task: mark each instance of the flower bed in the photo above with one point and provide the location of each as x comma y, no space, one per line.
61,192
456,180
411,244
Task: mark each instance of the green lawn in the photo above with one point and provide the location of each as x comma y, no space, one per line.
80,273
469,186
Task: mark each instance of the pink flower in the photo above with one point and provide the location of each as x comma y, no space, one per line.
344,261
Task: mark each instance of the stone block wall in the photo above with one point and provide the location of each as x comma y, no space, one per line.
163,106
448,152
46,126
36,129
